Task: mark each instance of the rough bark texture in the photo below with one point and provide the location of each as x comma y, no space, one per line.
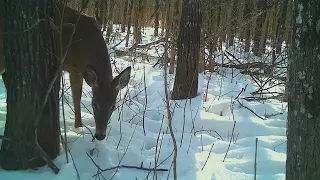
30,65
156,18
125,12
262,5
303,146
186,79
129,22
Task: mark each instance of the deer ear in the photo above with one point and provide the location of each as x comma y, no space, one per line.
91,76
122,79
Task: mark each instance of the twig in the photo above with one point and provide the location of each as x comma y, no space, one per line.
208,131
262,98
157,157
169,115
74,164
207,157
280,78
64,120
274,114
279,145
46,158
242,90
117,43
124,166
134,167
255,160
234,125
251,110
99,168
145,98
135,46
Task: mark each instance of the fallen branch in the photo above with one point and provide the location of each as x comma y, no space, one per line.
124,166
279,96
264,74
244,65
274,114
46,158
142,46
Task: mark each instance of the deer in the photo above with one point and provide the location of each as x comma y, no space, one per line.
87,58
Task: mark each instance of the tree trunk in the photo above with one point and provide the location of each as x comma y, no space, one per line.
303,145
261,5
129,22
186,79
137,21
156,18
281,28
124,18
246,32
30,65
110,20
175,33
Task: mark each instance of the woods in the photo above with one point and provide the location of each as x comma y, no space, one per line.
218,88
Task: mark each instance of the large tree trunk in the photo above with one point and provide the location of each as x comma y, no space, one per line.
303,146
30,64
186,79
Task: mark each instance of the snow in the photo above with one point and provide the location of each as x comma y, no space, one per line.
203,129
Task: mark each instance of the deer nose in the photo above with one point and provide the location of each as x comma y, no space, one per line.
100,137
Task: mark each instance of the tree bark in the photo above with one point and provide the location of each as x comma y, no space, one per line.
129,22
186,79
261,5
303,145
30,64
156,18
124,18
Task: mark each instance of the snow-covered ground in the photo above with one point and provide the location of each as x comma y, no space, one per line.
207,150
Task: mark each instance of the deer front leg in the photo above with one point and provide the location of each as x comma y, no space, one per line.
76,81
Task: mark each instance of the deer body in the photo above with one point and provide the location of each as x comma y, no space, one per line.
87,58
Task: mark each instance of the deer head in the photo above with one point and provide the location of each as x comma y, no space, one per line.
104,96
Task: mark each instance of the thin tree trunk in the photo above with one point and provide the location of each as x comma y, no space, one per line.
110,20
137,21
129,22
124,18
156,18
261,6
281,28
174,22
186,79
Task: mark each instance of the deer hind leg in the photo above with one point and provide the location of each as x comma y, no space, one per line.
76,81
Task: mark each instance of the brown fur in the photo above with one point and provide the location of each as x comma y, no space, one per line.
87,49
